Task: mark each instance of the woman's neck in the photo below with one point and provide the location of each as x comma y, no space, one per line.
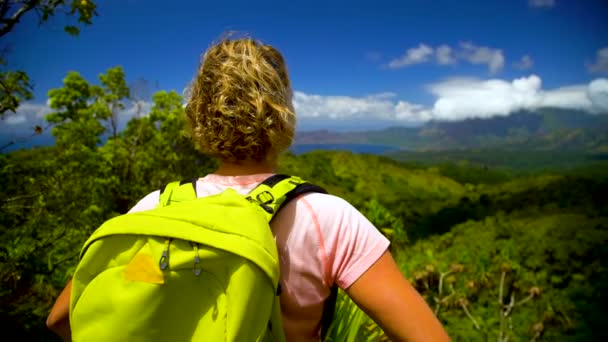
244,168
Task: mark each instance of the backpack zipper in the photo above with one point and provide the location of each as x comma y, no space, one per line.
196,269
164,259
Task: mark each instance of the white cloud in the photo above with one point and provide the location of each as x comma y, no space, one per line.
136,109
526,62
21,124
598,94
444,55
336,107
493,58
30,114
541,3
417,55
27,112
601,62
570,97
409,112
457,99
464,98
380,106
15,119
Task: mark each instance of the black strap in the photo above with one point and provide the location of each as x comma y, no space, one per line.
191,181
329,306
300,190
274,179
182,182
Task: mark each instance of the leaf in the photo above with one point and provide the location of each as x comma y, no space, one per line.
72,30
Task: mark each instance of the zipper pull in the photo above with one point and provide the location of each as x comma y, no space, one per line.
197,265
164,259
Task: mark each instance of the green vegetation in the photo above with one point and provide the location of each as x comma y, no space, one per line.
52,198
497,254
497,165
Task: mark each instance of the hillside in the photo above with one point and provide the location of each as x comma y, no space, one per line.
539,241
544,232
362,177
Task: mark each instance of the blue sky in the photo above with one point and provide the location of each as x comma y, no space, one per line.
354,65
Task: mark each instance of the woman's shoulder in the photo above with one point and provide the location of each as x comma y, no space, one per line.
349,243
332,212
327,203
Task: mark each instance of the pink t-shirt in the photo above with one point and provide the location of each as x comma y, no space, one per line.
321,240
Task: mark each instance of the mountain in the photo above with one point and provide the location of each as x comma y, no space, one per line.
545,129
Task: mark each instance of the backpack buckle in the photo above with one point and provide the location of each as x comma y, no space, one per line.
164,262
264,199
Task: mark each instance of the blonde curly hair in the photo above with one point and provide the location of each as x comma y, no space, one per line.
240,102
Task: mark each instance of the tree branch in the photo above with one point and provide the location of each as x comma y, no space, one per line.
24,139
466,311
9,23
509,307
530,296
501,306
438,299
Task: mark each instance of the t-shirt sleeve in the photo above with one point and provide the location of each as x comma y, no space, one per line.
147,203
353,244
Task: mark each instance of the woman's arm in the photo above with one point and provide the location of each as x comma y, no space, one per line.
391,301
59,318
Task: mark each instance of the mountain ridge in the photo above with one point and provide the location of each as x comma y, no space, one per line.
545,129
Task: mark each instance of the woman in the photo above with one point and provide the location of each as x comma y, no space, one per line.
240,111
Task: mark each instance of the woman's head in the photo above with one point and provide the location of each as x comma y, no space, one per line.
240,102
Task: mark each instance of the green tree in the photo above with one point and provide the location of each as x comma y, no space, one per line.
15,86
153,151
53,198
76,117
81,107
112,96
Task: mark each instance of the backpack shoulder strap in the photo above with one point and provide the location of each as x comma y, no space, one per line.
274,193
179,191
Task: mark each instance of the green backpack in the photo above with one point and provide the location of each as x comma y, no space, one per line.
203,269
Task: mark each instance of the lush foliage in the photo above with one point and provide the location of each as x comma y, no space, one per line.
520,260
496,256
54,197
498,165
